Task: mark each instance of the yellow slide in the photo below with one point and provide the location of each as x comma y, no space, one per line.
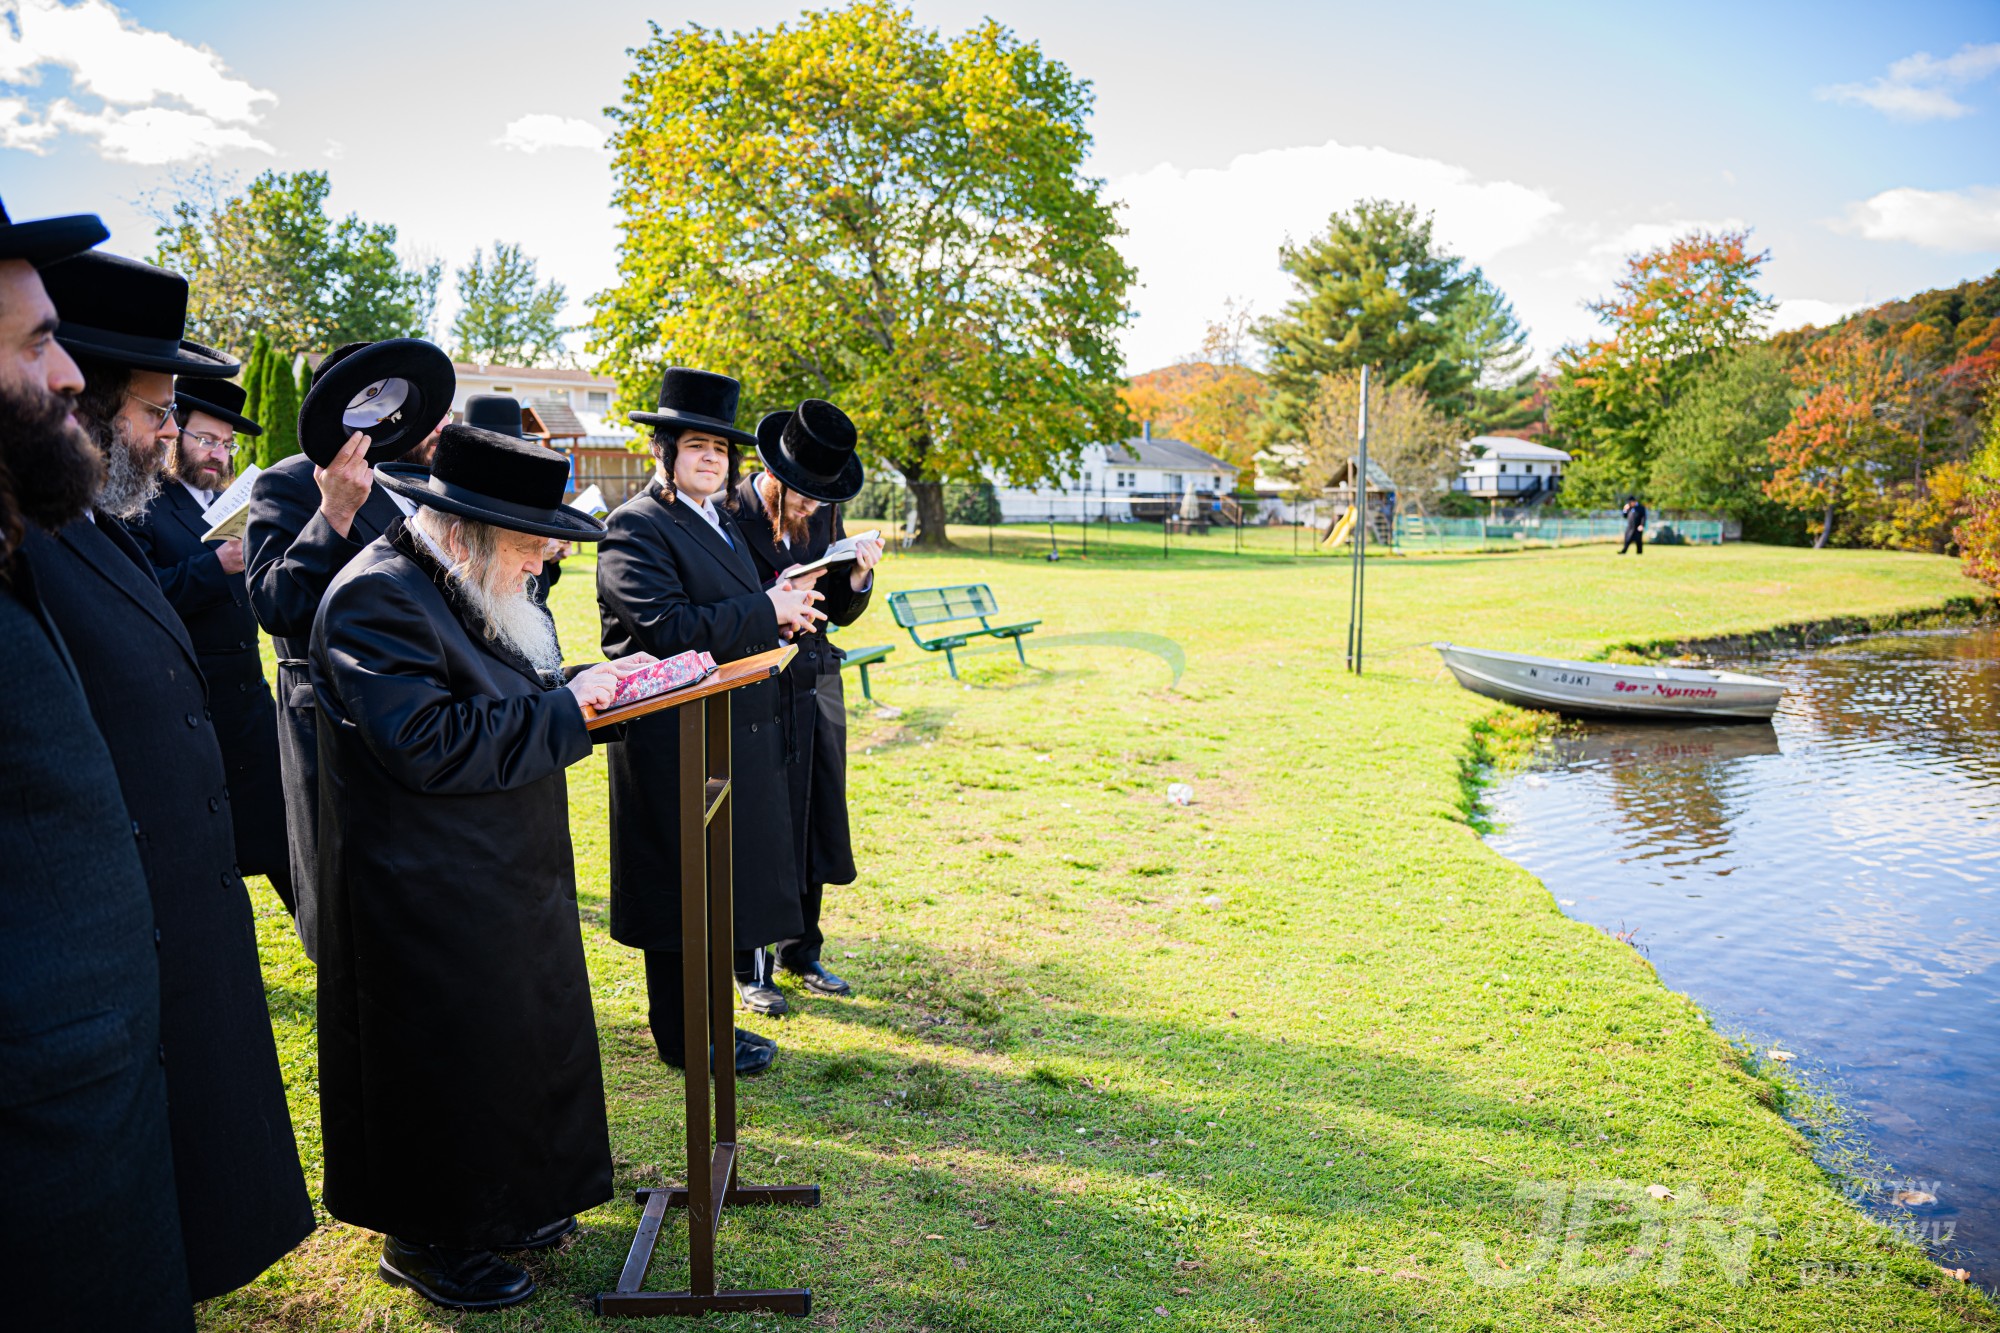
1343,529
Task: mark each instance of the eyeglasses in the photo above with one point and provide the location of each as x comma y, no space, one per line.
160,414
228,446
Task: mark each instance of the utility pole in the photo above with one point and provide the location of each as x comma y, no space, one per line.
1356,598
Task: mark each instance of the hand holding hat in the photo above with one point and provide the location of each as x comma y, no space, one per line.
393,391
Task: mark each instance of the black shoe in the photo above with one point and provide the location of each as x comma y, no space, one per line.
759,996
544,1236
815,978
754,1055
455,1279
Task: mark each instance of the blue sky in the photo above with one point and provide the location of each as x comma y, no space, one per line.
1862,142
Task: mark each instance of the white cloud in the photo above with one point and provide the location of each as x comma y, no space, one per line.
134,70
20,129
1965,220
1204,236
153,135
532,133
1919,87
1798,312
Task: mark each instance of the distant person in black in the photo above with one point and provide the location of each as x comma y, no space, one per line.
205,583
1635,525
89,1221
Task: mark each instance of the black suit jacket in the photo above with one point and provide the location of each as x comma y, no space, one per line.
215,608
291,553
86,1164
290,556
242,1196
667,582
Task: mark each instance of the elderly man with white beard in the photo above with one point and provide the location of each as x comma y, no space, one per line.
461,1101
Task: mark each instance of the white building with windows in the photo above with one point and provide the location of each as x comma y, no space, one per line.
1112,477
1511,471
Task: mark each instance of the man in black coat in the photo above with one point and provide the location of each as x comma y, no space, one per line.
204,582
673,576
1635,525
243,1201
307,520
810,469
460,1096
86,1163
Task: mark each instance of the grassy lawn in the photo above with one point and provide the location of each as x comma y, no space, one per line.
1305,1055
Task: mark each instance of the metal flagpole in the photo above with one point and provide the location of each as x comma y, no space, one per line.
1357,596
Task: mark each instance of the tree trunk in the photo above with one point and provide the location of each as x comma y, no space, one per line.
1825,528
931,534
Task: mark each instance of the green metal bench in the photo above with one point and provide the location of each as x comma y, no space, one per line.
941,606
863,658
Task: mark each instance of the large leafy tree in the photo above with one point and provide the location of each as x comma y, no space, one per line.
505,314
1674,311
1712,450
272,260
1840,448
857,208
1408,438
1377,289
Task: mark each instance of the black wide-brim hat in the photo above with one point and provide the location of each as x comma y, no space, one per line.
396,390
697,400
223,399
496,412
811,451
45,240
493,478
129,314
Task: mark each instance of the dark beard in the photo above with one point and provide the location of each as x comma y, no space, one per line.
48,470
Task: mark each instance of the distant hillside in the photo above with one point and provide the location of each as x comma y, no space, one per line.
1963,324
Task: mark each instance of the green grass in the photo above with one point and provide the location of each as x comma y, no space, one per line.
1267,1062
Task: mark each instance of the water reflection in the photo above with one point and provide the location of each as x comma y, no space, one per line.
1826,883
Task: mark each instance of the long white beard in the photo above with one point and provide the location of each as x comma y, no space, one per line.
512,618
128,486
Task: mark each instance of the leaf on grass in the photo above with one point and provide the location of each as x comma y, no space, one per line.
1187,1265
1659,1191
1782,1057
1409,1275
1912,1198
1958,1273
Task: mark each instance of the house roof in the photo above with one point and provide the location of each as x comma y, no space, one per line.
554,421
1506,446
1164,453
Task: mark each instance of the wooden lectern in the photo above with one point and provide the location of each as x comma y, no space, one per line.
708,949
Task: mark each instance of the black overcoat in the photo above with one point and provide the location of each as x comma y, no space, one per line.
290,555
215,607
667,582
86,1164
236,1169
811,704
460,1097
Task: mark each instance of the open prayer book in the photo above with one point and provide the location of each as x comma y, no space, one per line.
840,553
674,673
230,514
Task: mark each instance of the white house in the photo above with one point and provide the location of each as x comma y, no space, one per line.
587,395
1499,467
1112,476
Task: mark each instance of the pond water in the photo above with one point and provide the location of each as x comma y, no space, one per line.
1828,885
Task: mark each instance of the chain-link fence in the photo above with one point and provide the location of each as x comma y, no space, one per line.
1136,526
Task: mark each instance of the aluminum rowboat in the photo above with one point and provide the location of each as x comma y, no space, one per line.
1600,689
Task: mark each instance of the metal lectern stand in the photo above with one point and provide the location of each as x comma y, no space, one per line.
708,948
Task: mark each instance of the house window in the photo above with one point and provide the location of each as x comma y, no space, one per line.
1503,467
502,388
599,400
1528,468
558,395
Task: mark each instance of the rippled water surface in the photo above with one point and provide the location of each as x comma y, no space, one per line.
1828,884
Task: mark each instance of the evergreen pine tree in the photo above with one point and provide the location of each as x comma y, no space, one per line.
253,392
280,418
